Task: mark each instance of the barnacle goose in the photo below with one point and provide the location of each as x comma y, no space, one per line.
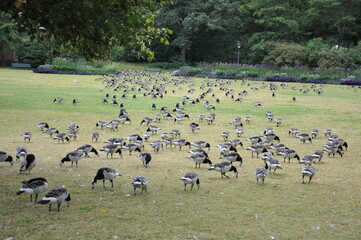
254,140
199,158
61,137
157,145
194,126
257,149
51,131
260,173
180,143
42,125
233,157
27,136
327,132
293,131
304,137
201,145
145,158
278,147
190,178
87,148
333,150
224,167
103,174
131,147
58,100
239,131
27,163
273,164
20,152
175,133
4,157
308,171
308,160
101,124
236,142
56,196
289,153
73,127
314,133
225,135
140,182
318,154
153,129
72,157
146,120
34,186
111,149
95,135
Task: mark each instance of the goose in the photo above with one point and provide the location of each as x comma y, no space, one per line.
72,157
51,131
75,101
194,126
175,133
101,124
267,156
140,182
111,149
131,147
61,137
113,102
164,135
308,171
266,144
27,163
27,136
73,134
146,120
164,109
87,148
308,160
224,167
260,173
257,149
145,158
278,122
256,104
254,140
225,135
327,132
34,186
157,145
153,129
239,132
304,137
233,157
124,119
146,136
271,136
289,153
180,143
56,196
268,130
4,157
168,142
199,158
103,174
42,125
333,150
103,100
73,127
248,119
58,100
190,178
225,148
293,131
314,133
116,141
236,142
237,123
273,164
112,126
166,115
318,154
278,147
95,135
20,152
134,137
201,145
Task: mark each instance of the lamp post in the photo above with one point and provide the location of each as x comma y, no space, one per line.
238,47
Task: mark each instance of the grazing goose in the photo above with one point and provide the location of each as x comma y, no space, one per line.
134,137
314,133
20,152
51,131
131,147
56,196
248,119
103,100
33,186
289,153
42,125
272,164
87,148
257,149
278,147
308,171
267,156
27,163
73,134
236,142
308,160
225,135
201,145
145,158
146,120
166,115
157,145
318,154
278,122
233,157
146,136
293,131
75,101
175,133
103,174
95,135
209,119
224,167
27,136
72,157
261,173
153,129
200,158
73,127
58,100
101,124
254,140
271,136
140,182
225,148
61,137
256,104
333,150
168,141
304,137
239,132
180,143
190,178
237,123
327,132
194,126
4,157
111,149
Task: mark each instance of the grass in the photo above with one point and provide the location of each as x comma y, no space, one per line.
282,208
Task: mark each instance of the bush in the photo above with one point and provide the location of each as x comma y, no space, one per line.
331,59
285,54
314,47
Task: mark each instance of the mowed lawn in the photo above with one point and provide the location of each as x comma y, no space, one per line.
235,208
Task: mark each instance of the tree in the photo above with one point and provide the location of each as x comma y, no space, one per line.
92,27
7,33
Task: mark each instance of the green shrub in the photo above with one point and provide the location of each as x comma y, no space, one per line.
331,59
285,54
314,47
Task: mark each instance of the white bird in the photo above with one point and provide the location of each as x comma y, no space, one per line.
56,196
140,182
103,174
190,178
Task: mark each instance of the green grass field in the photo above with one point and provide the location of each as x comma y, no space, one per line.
282,208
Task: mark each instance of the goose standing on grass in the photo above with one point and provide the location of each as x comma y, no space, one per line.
194,126
233,157
254,139
145,158
239,132
314,133
327,132
318,154
101,124
72,157
34,186
111,149
261,173
87,148
61,137
180,143
199,158
289,153
156,145
308,171
27,163
153,129
58,100
272,164
190,178
224,167
308,160
4,157
304,137
51,131
56,196
131,147
333,150
73,127
20,152
257,149
27,136
225,135
103,174
42,125
140,182
201,145
293,131
95,135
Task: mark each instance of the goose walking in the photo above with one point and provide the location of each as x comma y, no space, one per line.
190,178
103,174
140,182
56,196
199,158
111,149
34,186
72,157
289,153
308,171
224,167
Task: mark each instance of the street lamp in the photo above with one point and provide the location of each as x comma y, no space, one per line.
238,47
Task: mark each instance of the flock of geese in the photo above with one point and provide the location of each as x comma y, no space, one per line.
266,146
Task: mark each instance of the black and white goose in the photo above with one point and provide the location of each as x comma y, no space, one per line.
156,145
72,157
103,174
272,164
101,124
314,133
147,120
257,149
58,100
224,167
20,152
4,157
61,137
180,143
140,182
111,149
73,127
190,178
225,135
34,186
333,150
199,158
27,163
254,140
271,136
318,154
308,171
289,153
153,129
233,157
87,148
201,145
146,136
225,148
42,125
95,135
260,173
236,142
134,137
327,132
278,147
132,147
175,133
27,136
293,131
56,196
145,158
307,159
239,131
51,131
304,137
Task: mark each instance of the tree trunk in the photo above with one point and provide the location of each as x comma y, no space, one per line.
183,55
